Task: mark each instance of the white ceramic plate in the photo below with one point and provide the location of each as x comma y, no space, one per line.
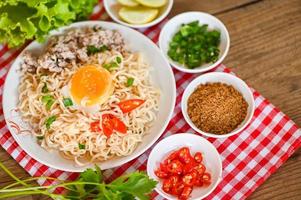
195,143
112,7
226,78
162,77
173,26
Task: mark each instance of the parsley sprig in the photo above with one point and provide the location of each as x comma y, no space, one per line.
89,185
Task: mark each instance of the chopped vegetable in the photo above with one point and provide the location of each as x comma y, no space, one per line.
118,59
110,123
130,104
93,50
49,121
67,102
48,100
194,45
89,185
95,126
107,125
110,66
25,20
181,172
118,125
44,88
130,82
40,137
81,146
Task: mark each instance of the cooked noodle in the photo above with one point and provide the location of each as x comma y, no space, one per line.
72,126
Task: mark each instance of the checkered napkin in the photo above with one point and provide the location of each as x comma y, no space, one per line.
249,157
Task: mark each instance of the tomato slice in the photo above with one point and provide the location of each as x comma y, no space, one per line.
206,178
184,155
166,186
171,157
175,167
95,126
161,174
186,193
198,157
130,104
107,125
118,125
200,168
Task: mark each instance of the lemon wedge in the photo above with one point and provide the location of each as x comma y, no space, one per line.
138,15
131,3
152,3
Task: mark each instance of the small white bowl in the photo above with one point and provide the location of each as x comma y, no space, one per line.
112,7
173,26
226,78
195,143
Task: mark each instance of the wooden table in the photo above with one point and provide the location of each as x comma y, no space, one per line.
265,52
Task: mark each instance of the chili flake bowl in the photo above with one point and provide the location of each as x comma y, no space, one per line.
221,77
195,143
173,26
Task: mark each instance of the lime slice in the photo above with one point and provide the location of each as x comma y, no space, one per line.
152,3
138,15
131,3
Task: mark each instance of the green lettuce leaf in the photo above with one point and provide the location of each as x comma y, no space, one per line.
22,20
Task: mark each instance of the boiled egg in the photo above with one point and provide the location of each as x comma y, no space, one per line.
89,87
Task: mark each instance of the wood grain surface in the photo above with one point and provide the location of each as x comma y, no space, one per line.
265,52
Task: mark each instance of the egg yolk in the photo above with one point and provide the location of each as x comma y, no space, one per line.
91,85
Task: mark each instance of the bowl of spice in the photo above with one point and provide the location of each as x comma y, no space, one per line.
218,104
194,42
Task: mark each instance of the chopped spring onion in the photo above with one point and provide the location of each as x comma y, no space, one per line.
40,137
118,59
81,146
48,100
44,88
130,82
49,121
91,49
110,66
194,45
67,102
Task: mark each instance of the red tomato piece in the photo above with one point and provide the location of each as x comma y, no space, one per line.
186,193
107,125
161,174
175,167
184,155
95,126
130,104
166,186
118,125
200,168
198,157
171,157
206,178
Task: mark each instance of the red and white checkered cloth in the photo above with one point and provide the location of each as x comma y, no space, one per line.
249,157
